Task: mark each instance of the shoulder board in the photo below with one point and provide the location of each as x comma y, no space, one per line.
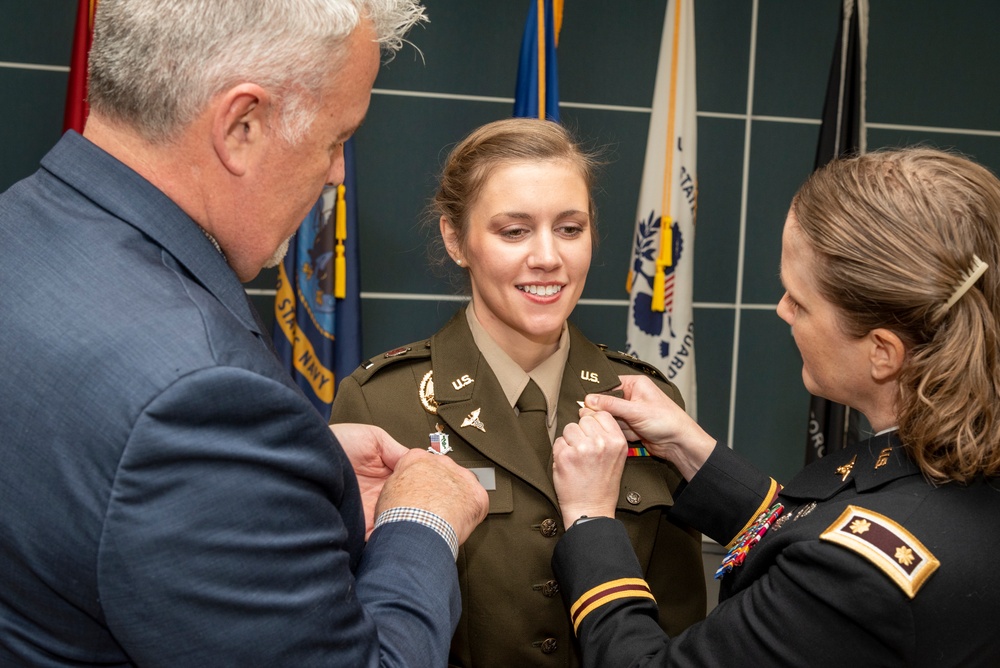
883,542
633,362
410,352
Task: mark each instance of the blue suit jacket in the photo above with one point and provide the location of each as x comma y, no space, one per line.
167,495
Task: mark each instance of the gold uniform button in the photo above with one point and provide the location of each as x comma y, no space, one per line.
549,528
634,498
550,588
549,645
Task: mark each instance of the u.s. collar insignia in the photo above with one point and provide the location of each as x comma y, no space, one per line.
472,420
883,457
883,542
427,393
439,442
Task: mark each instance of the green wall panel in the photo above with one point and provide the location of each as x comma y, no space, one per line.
772,406
930,64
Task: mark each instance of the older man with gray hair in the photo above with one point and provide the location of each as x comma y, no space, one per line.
168,495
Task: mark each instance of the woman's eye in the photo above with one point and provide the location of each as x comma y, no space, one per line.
513,233
570,231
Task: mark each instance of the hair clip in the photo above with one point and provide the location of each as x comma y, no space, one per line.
978,269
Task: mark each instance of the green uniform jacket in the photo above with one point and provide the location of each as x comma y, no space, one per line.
512,614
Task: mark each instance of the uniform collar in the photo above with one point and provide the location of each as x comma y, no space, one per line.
471,402
867,465
512,378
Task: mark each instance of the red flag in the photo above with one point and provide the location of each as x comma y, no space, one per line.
76,92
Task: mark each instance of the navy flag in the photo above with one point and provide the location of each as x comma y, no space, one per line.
537,68
831,425
317,308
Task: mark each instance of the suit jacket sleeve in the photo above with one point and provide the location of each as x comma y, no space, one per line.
233,537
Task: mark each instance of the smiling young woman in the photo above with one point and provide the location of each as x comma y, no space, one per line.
515,211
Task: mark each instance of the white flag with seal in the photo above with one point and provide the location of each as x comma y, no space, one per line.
660,315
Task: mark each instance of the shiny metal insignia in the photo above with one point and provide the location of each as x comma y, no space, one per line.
396,352
439,441
472,420
804,510
846,469
883,457
427,393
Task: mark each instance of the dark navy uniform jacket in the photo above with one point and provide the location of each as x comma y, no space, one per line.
868,564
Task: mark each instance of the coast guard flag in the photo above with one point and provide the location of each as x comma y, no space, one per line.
537,67
317,308
831,425
660,314
76,91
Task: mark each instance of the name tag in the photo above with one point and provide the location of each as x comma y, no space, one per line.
487,477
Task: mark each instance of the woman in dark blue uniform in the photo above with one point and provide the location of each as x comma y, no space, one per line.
881,554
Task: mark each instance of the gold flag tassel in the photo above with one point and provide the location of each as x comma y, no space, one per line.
340,265
666,255
666,259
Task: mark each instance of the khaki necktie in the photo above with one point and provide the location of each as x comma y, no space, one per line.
531,416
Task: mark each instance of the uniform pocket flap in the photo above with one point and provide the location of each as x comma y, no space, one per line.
647,483
496,481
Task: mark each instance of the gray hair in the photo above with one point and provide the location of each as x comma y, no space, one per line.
155,65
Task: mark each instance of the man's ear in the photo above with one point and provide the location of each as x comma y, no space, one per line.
886,354
450,237
240,126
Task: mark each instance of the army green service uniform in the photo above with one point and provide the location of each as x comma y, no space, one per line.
512,614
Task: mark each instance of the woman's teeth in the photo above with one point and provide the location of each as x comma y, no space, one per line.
543,290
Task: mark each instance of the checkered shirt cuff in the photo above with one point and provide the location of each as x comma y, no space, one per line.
421,516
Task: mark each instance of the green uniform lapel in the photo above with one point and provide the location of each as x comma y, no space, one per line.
588,371
456,360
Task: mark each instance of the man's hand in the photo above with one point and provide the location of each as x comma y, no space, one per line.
438,485
374,455
587,464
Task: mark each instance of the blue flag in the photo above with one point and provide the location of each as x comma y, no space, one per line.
317,308
537,68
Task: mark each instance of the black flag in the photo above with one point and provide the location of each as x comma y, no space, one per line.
831,425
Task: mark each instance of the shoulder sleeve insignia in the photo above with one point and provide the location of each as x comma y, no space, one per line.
883,542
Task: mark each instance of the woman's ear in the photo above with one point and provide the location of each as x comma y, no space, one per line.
886,355
450,238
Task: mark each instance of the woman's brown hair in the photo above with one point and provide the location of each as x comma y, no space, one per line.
896,233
